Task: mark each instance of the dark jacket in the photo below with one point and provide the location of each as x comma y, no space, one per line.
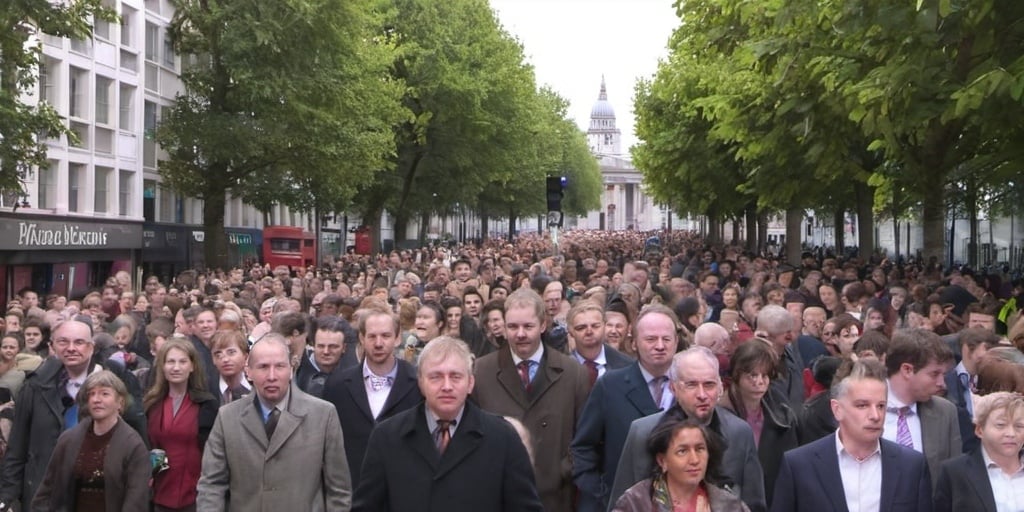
347,392
39,421
485,468
963,484
126,470
778,435
638,499
816,418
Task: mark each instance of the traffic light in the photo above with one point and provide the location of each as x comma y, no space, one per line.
556,190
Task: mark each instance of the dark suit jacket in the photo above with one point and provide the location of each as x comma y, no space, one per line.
619,397
549,412
955,393
791,385
485,467
809,480
963,484
616,359
345,389
810,348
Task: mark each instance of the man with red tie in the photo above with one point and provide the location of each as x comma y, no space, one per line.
619,397
541,387
586,329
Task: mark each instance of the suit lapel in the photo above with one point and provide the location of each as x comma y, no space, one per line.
252,422
891,475
422,442
466,440
930,424
638,393
357,390
547,375
404,383
509,379
826,463
287,423
977,479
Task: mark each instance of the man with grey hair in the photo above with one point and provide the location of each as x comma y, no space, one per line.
854,469
283,432
697,388
776,326
423,458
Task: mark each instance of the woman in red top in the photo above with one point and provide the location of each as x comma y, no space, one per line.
181,414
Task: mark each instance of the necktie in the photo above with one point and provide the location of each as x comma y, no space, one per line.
379,383
591,369
444,435
524,374
271,425
658,389
903,436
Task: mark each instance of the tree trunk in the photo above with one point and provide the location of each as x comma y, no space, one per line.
751,225
371,219
215,243
762,232
933,220
485,233
511,225
424,227
971,200
839,226
794,230
865,196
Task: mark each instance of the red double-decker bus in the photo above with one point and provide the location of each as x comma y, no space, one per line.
291,246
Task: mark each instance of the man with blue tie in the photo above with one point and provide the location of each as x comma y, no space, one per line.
854,469
541,387
618,398
916,417
974,344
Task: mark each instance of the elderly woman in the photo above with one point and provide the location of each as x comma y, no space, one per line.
687,460
101,463
989,477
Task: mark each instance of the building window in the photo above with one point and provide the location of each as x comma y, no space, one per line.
124,192
127,25
48,77
75,176
152,42
102,189
127,108
149,121
47,186
104,90
77,93
166,201
168,50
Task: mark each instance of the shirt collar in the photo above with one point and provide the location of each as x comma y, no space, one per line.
600,359
896,403
841,450
960,368
535,357
224,385
282,405
432,418
989,463
393,373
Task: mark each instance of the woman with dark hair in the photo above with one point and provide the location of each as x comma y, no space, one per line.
846,331
101,463
687,461
754,364
180,414
829,296
37,337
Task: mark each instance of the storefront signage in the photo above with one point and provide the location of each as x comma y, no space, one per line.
239,238
42,234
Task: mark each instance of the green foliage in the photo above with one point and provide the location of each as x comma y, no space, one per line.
24,128
285,102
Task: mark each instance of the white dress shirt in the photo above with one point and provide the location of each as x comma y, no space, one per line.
1008,490
601,360
913,421
862,479
377,398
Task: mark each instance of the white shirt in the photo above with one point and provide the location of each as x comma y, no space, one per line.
601,360
862,479
224,385
1008,490
968,401
913,421
378,397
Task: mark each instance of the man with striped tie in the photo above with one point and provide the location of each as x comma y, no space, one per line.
916,417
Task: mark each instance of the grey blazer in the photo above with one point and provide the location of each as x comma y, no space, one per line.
940,433
302,465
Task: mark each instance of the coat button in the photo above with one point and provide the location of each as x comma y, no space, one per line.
544,424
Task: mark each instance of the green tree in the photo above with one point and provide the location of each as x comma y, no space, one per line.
24,128
286,101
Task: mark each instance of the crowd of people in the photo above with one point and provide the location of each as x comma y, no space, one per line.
621,371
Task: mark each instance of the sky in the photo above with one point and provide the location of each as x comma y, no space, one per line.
572,43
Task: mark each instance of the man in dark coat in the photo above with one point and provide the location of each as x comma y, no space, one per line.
446,454
46,408
374,391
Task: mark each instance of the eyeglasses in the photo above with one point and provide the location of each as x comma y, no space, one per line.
828,333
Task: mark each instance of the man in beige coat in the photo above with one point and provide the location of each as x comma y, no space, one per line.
281,450
543,388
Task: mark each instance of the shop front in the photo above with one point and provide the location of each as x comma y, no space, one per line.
64,255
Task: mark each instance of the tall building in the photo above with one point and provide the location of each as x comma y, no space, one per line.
624,205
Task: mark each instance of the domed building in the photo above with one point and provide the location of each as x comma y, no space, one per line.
624,205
